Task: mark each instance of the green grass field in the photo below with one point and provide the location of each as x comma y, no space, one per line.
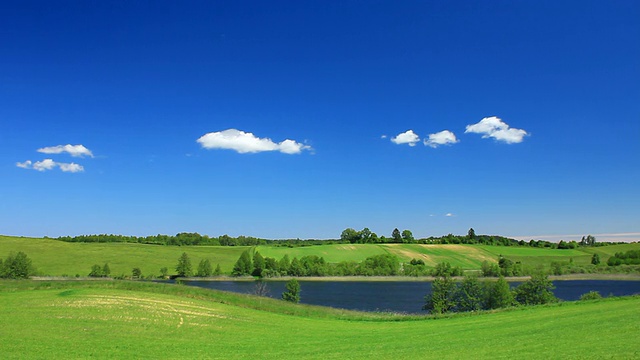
146,320
56,258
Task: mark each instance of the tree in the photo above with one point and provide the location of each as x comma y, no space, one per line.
407,236
350,235
535,291
217,271
106,271
96,271
397,238
470,295
136,273
471,234
292,293
442,269
244,265
258,264
184,266
296,268
589,240
284,265
442,298
595,259
498,294
17,266
164,272
490,269
204,268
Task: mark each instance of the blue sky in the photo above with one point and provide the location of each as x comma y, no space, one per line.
300,119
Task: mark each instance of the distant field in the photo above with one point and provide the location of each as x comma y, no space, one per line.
124,320
52,257
55,258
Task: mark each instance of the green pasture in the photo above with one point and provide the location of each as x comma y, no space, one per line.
330,253
55,258
465,256
121,320
544,256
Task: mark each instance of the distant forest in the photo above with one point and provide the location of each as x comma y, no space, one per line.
349,236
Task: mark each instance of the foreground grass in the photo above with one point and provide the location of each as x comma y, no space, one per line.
142,320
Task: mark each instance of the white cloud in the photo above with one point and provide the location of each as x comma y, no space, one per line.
244,142
71,167
73,150
444,137
383,137
49,164
407,137
24,165
449,215
494,127
46,164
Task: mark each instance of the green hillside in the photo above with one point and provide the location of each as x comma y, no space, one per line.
55,258
125,320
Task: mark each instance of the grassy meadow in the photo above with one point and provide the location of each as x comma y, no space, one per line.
57,258
146,320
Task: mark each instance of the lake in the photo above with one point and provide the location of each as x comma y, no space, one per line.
400,296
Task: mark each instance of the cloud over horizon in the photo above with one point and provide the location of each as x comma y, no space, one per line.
245,142
49,164
407,137
495,128
444,137
73,150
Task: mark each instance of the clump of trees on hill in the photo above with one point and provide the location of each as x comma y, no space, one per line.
472,295
312,265
631,257
16,266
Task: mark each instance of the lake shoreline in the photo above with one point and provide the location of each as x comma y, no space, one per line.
620,277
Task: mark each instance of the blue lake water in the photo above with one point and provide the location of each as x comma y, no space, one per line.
405,297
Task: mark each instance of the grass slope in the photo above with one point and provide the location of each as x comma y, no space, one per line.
125,320
55,258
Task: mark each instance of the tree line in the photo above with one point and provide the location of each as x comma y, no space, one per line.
348,236
470,294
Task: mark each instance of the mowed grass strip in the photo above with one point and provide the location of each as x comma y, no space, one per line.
56,258
82,322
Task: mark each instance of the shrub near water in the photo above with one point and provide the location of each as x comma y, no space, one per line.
16,266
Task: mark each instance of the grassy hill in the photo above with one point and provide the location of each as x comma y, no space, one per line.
53,257
146,320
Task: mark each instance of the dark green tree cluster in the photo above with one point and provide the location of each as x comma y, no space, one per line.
204,268
313,265
100,271
588,240
364,236
631,257
16,266
472,295
504,267
416,267
445,269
